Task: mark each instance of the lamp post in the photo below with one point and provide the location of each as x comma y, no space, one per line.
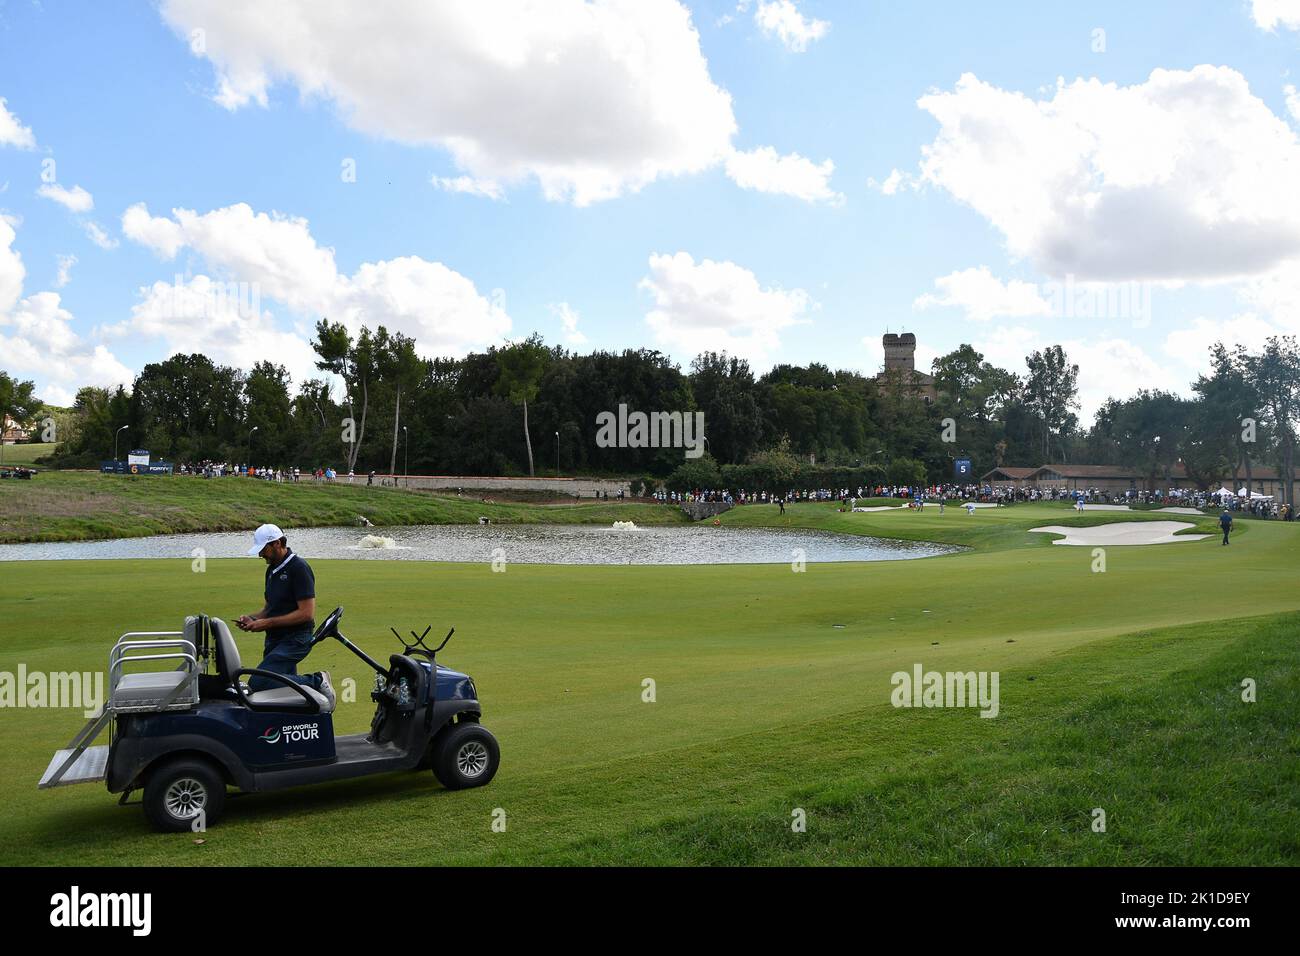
115,434
248,469
557,454
406,456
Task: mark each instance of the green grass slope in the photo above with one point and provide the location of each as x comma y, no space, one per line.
80,506
26,453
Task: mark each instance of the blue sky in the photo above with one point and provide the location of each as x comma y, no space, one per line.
617,196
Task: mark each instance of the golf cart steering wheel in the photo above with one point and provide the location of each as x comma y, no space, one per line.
329,627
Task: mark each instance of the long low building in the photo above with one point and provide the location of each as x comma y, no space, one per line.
1117,479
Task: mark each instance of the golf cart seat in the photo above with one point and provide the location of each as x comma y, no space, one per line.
138,691
290,696
154,689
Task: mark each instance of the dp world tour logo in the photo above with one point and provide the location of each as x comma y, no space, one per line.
291,733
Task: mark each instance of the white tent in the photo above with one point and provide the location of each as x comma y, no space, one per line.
1221,492
1254,495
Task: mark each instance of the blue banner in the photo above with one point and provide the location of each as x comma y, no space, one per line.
961,467
124,468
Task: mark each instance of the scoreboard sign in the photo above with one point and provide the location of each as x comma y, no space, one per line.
961,467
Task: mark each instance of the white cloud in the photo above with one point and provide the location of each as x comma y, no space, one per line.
13,132
1269,14
569,320
590,99
766,171
277,257
470,186
161,235
1292,102
438,307
783,19
65,270
12,270
37,339
1191,344
982,296
1111,366
1277,295
1186,176
892,184
75,199
275,251
718,306
226,324
99,237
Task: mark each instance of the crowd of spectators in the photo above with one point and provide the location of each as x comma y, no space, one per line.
221,469
915,495
1261,507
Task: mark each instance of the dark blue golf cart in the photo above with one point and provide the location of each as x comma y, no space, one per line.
185,734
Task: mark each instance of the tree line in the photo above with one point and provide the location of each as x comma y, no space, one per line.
529,408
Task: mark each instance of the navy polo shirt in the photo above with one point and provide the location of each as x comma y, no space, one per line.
288,583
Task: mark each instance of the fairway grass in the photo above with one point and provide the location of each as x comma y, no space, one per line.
1119,690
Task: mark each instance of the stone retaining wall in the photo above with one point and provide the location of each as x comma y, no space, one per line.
699,510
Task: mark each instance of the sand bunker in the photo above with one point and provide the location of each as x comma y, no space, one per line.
1089,506
1125,532
1181,511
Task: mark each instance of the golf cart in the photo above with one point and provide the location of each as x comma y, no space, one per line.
184,735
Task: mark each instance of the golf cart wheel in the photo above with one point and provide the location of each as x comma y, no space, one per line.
467,757
178,793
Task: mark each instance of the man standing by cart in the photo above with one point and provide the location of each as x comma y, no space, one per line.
286,616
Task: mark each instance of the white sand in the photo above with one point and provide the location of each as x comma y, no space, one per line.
1088,506
1123,533
1181,511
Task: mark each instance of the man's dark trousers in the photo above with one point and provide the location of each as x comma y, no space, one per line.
281,656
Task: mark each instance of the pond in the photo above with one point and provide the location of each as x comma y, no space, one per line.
519,544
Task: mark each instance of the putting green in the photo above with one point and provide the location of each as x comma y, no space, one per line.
744,659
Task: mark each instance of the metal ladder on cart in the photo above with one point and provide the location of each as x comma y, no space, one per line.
148,691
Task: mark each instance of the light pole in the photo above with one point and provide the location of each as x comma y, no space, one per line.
248,469
115,434
406,456
557,454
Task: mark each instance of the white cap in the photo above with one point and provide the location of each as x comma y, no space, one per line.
264,536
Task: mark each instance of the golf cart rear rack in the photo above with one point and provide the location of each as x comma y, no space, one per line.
144,691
